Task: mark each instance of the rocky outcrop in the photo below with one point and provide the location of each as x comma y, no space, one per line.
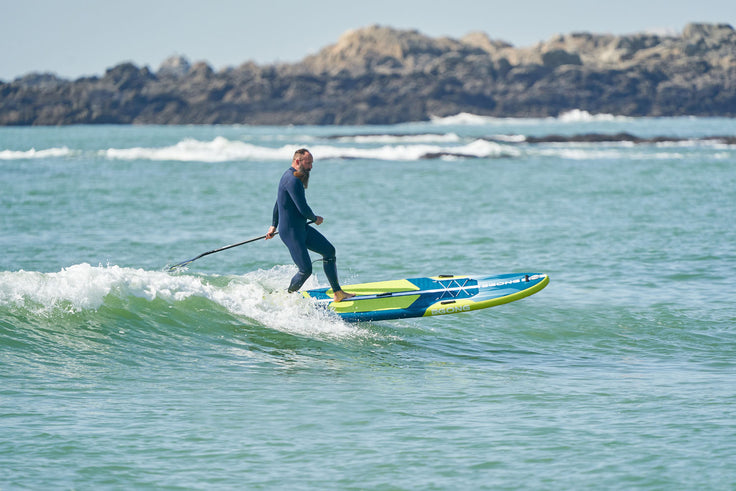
380,75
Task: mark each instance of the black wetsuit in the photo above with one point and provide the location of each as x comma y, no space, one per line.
290,215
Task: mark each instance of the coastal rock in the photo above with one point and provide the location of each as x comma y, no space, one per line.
558,57
381,75
382,50
174,67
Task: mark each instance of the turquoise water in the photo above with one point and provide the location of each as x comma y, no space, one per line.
619,375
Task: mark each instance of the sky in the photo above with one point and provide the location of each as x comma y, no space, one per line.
75,38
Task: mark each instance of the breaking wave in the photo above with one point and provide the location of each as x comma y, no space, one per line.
573,116
223,150
219,149
256,298
35,154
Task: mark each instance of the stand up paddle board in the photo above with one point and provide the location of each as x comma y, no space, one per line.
422,297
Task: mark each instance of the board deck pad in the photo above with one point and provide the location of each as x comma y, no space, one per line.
421,297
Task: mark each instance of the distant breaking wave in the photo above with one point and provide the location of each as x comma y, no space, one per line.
404,150
34,154
223,150
397,145
403,138
371,147
190,150
476,149
574,116
219,150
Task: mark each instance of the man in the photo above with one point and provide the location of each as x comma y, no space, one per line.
290,215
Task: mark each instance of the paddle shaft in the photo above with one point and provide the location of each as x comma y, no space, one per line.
184,263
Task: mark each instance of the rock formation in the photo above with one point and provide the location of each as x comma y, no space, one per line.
380,75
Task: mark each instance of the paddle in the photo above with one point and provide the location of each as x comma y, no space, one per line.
184,263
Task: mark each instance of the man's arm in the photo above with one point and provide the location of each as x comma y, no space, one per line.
274,222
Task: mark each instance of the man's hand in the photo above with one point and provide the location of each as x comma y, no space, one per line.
318,220
271,232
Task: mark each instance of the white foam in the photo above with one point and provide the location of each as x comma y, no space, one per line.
476,148
510,138
258,295
83,287
578,116
463,119
221,150
262,296
388,138
602,154
190,150
34,154
572,116
485,148
708,144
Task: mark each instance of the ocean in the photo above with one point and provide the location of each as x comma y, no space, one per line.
620,374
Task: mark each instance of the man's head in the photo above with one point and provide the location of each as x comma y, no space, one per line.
302,164
302,160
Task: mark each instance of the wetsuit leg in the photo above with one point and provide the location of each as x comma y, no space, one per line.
298,249
318,243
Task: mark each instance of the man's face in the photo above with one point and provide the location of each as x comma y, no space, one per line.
305,162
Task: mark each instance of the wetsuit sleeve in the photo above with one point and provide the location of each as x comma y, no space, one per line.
275,219
296,191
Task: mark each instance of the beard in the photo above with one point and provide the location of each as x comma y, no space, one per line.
303,176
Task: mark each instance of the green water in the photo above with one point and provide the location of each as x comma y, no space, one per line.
117,375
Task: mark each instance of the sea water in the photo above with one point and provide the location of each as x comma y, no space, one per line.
116,374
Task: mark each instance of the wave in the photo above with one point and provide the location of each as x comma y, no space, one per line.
573,116
400,138
509,138
476,149
386,146
190,150
577,116
405,148
255,298
604,154
223,150
464,119
35,154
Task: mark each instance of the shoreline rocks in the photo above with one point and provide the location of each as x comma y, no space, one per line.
380,75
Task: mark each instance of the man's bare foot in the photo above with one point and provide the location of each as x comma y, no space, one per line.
341,295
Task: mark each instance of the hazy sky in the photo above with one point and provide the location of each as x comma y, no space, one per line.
73,38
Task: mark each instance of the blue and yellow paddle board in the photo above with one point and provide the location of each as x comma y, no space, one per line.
422,297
